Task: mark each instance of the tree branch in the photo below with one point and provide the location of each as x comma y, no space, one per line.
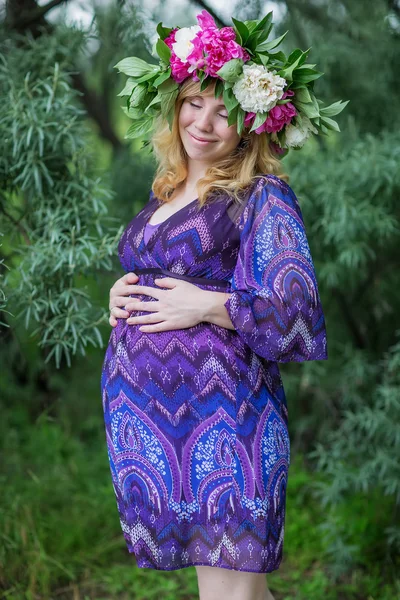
212,12
17,224
22,14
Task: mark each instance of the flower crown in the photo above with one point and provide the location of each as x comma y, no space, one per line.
261,89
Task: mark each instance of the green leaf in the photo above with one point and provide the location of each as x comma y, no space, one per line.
148,76
205,83
296,56
285,101
162,31
139,128
330,123
240,120
168,86
156,100
264,22
138,95
230,100
163,51
264,59
305,65
219,88
278,57
303,95
259,120
132,113
242,30
251,25
267,46
262,30
306,75
231,70
130,84
135,67
168,102
307,109
161,78
232,116
333,109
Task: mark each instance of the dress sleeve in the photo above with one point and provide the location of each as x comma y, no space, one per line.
275,305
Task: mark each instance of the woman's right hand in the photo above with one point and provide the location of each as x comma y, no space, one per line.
121,289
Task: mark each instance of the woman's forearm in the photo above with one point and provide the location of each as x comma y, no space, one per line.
213,309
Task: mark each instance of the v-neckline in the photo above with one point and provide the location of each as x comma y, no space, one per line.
159,225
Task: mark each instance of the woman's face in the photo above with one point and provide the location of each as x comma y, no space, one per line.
204,130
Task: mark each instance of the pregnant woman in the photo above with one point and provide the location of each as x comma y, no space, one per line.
219,288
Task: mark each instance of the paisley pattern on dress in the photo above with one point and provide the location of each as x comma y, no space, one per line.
196,419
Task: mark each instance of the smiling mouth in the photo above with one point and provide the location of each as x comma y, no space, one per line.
201,141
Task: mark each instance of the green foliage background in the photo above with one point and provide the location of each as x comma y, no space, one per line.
70,183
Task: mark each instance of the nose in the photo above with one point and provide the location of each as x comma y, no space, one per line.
204,121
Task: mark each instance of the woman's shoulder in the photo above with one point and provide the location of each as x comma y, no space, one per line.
267,185
269,181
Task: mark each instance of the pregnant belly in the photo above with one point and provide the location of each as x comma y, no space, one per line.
191,358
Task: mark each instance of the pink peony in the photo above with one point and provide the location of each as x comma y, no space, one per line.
279,116
212,48
206,21
179,69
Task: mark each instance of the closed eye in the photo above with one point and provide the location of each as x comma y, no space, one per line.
197,106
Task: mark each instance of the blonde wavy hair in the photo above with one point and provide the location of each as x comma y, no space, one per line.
231,175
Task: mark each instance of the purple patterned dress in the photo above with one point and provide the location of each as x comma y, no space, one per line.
196,419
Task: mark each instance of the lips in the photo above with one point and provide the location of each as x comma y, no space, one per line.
200,139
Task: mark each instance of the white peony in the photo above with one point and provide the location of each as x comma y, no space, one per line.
183,41
297,136
257,89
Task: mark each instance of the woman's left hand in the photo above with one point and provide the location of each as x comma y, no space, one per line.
179,306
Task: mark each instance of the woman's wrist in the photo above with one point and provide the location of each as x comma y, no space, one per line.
213,310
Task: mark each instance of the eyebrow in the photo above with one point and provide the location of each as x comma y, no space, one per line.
218,105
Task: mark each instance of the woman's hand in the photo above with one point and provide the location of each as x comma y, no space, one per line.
180,306
118,293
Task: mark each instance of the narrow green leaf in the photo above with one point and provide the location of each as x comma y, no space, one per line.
264,22
219,89
205,83
333,109
240,120
232,116
242,30
163,51
267,46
